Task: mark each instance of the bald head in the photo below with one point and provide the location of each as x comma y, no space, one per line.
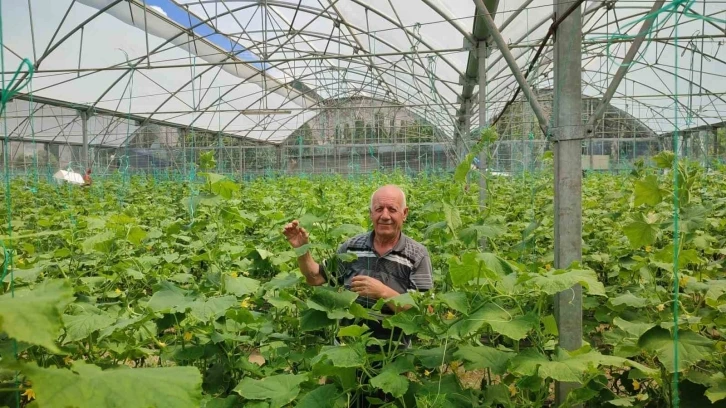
392,191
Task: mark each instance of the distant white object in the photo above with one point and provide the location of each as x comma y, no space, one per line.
68,177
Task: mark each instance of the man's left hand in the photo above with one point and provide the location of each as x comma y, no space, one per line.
370,287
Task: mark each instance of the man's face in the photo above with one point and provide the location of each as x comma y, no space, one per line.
388,213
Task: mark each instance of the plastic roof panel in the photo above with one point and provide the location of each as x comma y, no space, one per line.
203,66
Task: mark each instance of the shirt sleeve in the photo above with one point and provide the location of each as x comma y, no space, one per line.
422,278
333,269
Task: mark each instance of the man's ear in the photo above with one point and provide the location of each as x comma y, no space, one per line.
405,213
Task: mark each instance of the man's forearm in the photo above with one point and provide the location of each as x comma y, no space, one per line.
310,269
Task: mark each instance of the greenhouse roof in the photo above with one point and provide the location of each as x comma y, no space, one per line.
259,69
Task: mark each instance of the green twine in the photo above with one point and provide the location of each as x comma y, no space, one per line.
7,93
676,232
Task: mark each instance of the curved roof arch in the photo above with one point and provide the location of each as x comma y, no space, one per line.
258,70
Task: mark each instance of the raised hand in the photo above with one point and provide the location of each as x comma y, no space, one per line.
295,234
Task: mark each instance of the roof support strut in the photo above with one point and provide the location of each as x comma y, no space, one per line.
507,54
624,66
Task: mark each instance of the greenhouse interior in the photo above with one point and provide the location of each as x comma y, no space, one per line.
363,203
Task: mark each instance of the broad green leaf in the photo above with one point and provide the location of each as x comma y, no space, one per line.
346,230
530,362
87,386
470,324
309,220
495,264
240,286
629,299
170,299
474,233
622,402
560,280
664,159
516,328
693,218
648,191
452,217
231,401
717,389
119,325
101,242
642,231
469,268
334,303
447,388
434,357
692,347
484,357
550,325
404,299
205,310
390,379
321,397
352,331
24,275
136,235
312,319
410,321
455,300
634,329
34,316
716,289
225,188
278,389
80,326
339,356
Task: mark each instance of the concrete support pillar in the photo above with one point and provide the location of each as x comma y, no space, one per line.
568,133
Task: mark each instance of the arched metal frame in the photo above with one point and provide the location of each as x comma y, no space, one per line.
414,89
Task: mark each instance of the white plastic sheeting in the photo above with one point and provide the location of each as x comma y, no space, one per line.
408,52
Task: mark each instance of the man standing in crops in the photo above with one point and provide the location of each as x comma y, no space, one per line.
388,262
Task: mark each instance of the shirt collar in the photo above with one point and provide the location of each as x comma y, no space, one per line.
400,245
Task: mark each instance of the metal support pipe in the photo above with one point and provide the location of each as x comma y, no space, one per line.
512,63
482,53
84,129
624,66
567,134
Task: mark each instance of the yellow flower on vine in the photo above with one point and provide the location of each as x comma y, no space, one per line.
660,307
512,390
29,394
233,274
548,267
245,304
118,291
636,385
427,373
683,280
450,316
648,248
188,336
